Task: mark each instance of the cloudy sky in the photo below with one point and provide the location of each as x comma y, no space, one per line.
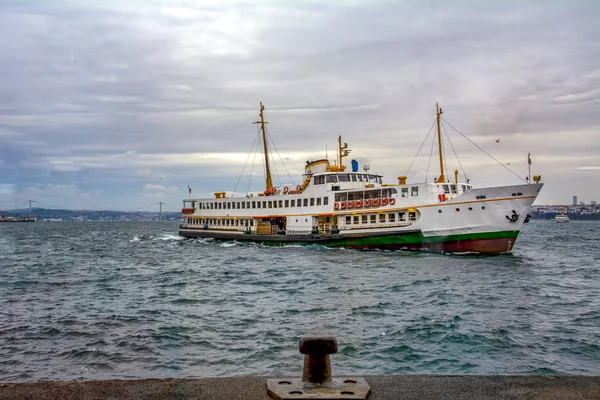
120,105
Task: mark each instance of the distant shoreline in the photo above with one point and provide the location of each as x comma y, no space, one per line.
91,215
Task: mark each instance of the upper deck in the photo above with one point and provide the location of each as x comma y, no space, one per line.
321,191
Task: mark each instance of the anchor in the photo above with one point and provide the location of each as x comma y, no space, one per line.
514,217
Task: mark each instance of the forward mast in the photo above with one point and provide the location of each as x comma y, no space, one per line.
262,123
438,113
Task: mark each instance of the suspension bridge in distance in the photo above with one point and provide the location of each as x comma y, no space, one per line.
37,211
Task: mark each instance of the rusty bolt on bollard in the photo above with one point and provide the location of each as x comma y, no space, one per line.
317,381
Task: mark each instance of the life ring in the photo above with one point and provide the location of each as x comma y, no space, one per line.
358,203
376,203
274,190
367,203
343,205
441,197
336,206
392,201
385,201
286,190
350,204
298,187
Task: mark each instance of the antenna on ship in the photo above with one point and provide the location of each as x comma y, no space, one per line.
439,112
343,151
267,168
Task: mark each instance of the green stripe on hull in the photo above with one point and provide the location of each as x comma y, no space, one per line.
409,239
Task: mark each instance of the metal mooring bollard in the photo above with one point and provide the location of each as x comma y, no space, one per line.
317,382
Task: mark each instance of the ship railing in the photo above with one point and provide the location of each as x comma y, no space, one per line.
325,229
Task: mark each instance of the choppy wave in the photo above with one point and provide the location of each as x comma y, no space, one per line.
135,300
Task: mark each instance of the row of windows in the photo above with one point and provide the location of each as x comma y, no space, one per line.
350,220
221,222
237,205
365,194
335,178
379,218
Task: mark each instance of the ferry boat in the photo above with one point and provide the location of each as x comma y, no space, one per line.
339,207
561,217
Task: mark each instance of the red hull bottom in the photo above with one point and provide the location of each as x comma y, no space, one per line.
489,246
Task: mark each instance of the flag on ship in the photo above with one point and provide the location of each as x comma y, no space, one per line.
529,158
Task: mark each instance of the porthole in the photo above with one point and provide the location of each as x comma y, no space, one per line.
457,209
470,208
483,207
440,211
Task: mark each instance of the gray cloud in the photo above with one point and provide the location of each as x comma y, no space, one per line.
92,93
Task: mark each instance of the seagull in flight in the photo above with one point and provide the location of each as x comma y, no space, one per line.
497,140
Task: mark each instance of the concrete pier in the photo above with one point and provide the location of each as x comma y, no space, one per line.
389,387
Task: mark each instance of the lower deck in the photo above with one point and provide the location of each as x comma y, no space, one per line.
303,224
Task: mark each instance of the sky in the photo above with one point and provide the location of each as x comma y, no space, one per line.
124,104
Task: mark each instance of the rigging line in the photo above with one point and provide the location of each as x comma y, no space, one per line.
430,157
413,161
243,169
253,163
274,166
251,170
277,151
451,145
280,159
489,155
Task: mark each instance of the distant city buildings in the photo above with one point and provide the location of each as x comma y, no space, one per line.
574,200
575,212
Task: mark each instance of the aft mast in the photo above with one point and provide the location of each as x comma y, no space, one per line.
264,135
442,178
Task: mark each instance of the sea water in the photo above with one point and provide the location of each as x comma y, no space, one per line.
124,300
